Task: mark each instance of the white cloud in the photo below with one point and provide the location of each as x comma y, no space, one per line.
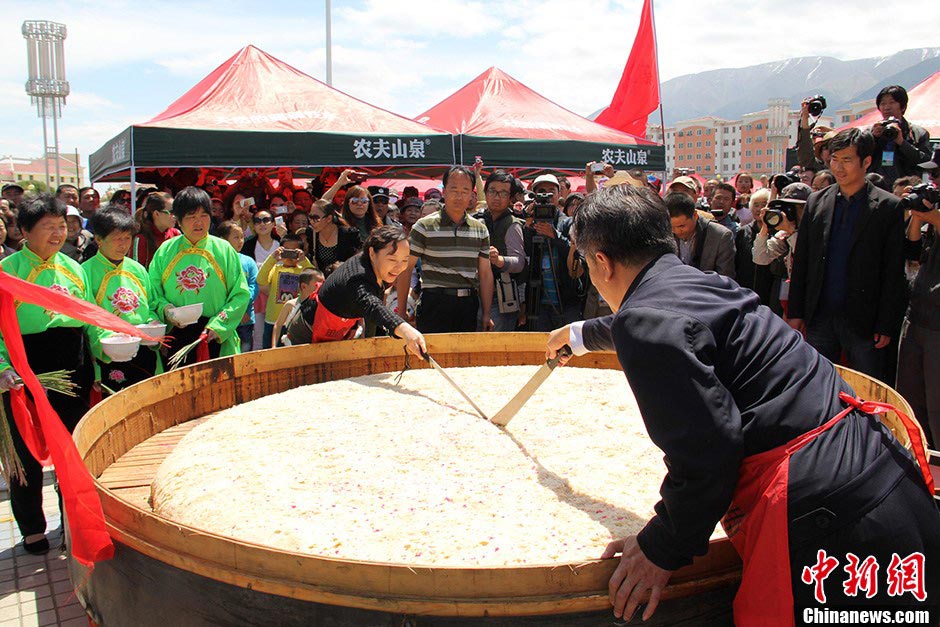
90,101
418,19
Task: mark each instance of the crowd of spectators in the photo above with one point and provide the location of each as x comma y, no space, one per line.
830,245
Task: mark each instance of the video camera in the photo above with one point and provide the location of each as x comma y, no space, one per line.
891,126
918,194
782,180
815,105
543,209
777,210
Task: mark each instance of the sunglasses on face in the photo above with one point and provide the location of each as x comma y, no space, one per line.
262,220
316,218
359,201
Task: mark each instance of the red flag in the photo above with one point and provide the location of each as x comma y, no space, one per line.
637,94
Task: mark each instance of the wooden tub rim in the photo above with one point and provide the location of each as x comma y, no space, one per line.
408,589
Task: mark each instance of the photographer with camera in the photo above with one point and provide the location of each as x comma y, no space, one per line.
551,295
847,283
919,354
776,240
899,145
507,249
811,145
595,170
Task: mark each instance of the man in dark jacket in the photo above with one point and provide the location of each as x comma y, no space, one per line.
899,146
756,428
701,243
847,281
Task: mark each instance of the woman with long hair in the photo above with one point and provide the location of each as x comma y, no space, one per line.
265,239
359,212
330,241
155,225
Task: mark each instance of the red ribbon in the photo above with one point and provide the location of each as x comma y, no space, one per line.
27,423
913,431
39,425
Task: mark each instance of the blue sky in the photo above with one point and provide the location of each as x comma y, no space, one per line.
126,61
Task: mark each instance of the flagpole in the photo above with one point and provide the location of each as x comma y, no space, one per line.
662,121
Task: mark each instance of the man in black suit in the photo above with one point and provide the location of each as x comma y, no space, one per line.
847,283
755,427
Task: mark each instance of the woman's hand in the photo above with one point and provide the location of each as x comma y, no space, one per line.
169,317
8,380
414,341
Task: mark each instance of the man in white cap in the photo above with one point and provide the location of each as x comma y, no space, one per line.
552,295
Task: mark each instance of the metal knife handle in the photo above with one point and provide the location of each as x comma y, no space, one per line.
565,351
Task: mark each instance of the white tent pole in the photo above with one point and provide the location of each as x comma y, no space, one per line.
329,46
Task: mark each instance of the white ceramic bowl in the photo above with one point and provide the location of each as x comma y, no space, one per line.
120,347
153,329
187,314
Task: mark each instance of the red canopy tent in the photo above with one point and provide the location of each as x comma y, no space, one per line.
257,111
923,109
510,125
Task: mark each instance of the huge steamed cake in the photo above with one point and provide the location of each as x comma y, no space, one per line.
362,469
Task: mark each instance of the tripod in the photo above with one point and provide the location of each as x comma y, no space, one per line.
534,288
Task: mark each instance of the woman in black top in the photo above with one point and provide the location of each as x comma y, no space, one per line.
330,241
357,290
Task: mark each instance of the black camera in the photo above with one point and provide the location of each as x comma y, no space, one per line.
777,210
918,194
891,126
816,105
782,180
543,209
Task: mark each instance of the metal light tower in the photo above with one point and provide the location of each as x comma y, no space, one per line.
47,86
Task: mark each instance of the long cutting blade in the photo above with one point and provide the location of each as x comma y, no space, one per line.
504,415
437,367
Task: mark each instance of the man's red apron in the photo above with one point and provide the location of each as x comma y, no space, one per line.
327,326
756,522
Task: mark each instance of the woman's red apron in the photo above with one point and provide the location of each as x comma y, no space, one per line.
327,326
756,522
